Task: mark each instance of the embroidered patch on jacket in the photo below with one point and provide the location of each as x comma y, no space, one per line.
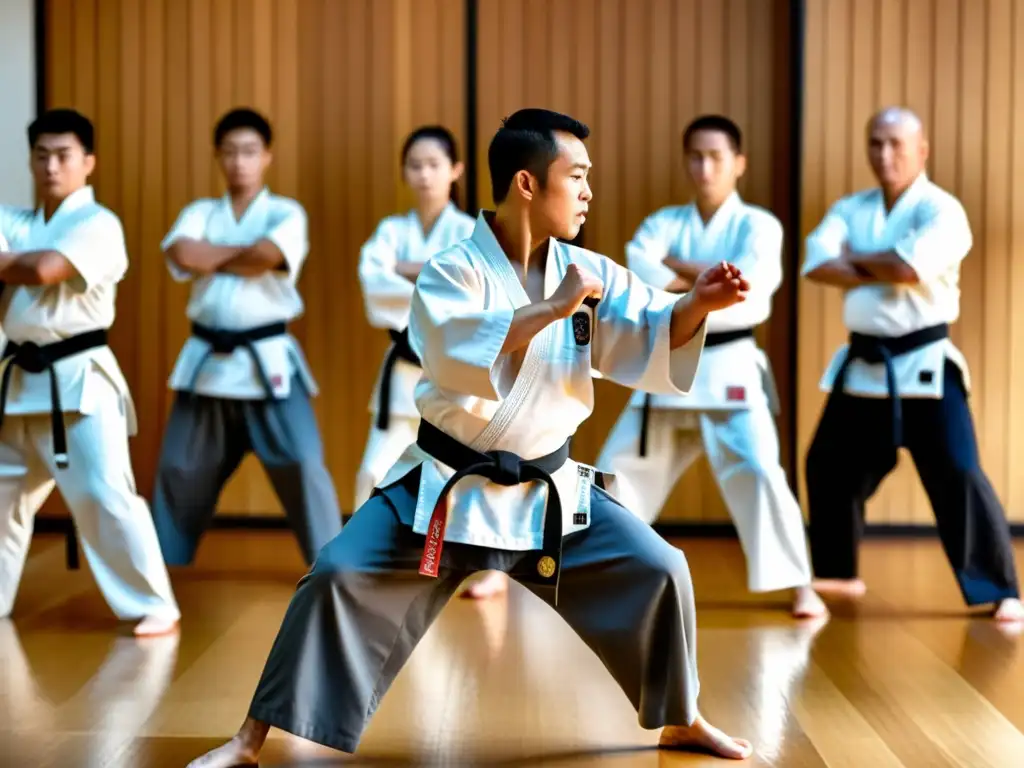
735,394
276,381
581,328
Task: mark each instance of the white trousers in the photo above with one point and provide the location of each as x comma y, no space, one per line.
383,449
743,450
98,486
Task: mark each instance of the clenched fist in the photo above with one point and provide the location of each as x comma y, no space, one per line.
576,286
719,287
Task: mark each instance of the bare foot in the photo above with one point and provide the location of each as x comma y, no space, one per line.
848,587
243,750
807,604
1010,610
702,736
151,626
493,584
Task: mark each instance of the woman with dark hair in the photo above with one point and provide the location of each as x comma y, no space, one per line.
389,264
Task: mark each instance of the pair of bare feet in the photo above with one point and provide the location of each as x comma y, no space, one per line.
154,626
1008,611
244,749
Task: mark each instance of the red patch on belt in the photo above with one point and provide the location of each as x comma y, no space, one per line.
734,394
435,539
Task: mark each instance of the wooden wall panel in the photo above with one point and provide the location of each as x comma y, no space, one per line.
956,62
343,82
636,71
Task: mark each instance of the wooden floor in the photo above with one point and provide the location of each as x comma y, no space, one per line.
905,678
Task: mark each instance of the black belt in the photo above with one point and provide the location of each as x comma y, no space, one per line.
225,342
400,349
711,340
882,349
503,468
33,358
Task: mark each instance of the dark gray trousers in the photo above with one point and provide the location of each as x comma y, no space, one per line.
205,441
358,614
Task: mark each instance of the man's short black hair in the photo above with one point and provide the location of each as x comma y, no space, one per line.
718,123
526,141
57,121
243,118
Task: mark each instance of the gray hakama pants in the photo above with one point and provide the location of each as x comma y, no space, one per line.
358,614
205,441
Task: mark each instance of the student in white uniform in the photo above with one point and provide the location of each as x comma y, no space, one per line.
509,326
65,405
895,251
241,380
389,263
729,412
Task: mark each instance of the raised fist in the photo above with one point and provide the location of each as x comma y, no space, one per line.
577,285
719,287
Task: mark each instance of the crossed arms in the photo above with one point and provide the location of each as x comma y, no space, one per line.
939,241
199,257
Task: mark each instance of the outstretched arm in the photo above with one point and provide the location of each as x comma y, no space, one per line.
649,339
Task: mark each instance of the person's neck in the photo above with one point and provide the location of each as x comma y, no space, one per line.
428,212
707,207
893,192
515,235
242,197
50,203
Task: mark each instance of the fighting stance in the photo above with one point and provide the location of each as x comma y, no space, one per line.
389,263
65,405
729,412
508,325
241,381
900,382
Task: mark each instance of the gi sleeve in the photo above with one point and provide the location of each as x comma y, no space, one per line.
631,343
96,249
289,231
191,225
456,336
940,240
386,294
825,243
646,252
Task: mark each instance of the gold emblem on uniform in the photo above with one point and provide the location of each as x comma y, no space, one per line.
546,566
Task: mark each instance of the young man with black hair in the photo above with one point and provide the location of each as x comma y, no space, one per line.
241,381
508,325
64,403
729,412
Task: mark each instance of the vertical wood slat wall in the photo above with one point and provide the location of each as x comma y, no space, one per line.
960,64
637,71
343,82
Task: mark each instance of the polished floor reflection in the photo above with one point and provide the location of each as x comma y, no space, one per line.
906,677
